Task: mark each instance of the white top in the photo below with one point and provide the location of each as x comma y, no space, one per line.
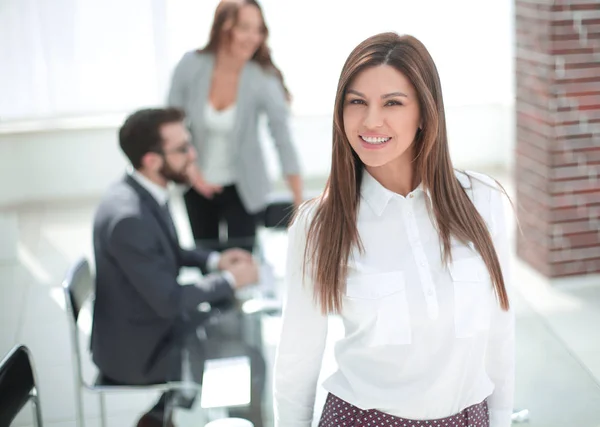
422,341
218,165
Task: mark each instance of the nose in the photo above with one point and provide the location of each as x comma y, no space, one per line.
373,118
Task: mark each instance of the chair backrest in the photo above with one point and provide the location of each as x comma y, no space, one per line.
278,213
280,209
78,286
17,383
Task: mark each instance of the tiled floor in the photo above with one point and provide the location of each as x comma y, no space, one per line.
557,329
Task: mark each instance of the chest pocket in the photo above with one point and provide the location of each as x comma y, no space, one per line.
473,296
375,306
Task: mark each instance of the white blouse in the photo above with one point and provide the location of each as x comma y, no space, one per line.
218,167
422,341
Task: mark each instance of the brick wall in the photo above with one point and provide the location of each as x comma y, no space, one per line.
558,135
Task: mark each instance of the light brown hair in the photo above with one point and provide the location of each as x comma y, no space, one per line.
227,11
333,231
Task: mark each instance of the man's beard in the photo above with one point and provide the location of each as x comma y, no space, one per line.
178,177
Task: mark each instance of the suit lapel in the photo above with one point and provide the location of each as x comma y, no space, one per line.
200,87
242,97
157,212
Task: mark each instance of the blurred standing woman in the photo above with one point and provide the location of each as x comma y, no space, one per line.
224,88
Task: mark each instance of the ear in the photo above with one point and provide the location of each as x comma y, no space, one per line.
152,161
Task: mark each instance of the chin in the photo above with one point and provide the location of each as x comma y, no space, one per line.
244,54
376,160
371,158
374,163
182,179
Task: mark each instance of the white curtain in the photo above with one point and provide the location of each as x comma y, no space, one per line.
80,57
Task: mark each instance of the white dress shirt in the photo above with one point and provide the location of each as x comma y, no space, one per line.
161,195
422,341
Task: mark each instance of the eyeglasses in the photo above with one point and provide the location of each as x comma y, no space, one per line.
183,149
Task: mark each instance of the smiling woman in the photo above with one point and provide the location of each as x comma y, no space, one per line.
409,252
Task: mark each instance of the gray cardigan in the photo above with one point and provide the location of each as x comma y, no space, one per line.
258,91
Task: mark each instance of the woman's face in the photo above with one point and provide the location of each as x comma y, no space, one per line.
247,34
381,116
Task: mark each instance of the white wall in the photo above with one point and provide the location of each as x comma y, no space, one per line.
80,160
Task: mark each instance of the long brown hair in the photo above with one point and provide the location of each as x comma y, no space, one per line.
227,11
333,230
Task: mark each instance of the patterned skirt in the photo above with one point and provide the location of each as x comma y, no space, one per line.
339,413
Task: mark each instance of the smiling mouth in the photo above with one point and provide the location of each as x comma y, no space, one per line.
375,140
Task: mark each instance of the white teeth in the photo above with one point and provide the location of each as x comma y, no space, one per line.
372,140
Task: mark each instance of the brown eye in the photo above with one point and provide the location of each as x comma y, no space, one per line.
393,103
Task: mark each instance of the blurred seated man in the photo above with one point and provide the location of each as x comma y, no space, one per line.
144,320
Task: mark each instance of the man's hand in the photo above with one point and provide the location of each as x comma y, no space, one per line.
233,256
244,272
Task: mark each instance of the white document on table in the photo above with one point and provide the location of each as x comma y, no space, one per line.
226,382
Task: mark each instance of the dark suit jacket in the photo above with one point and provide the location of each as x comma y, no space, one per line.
140,308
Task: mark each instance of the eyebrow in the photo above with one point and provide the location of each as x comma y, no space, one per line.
387,95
